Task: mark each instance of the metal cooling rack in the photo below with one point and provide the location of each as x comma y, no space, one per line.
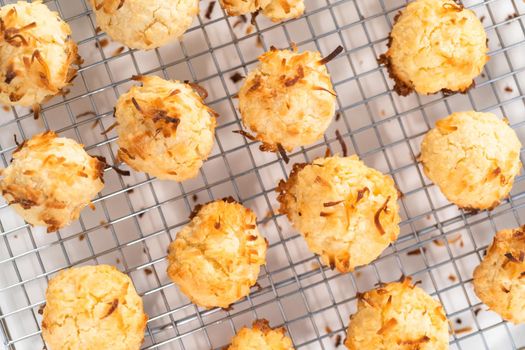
136,217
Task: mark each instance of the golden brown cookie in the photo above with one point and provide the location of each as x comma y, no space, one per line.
276,10
499,281
164,129
145,24
398,316
346,211
261,337
37,54
473,157
288,100
93,308
435,45
50,180
216,258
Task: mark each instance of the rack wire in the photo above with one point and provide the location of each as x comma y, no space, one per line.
136,217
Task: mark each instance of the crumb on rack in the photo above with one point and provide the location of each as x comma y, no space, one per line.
466,329
209,10
511,16
242,19
338,340
417,251
118,51
102,43
236,77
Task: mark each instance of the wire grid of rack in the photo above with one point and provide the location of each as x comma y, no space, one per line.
137,216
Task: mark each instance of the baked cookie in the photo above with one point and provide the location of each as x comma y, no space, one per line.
473,158
38,54
398,316
261,337
93,308
435,45
216,258
288,101
276,10
499,281
50,180
164,129
145,24
346,211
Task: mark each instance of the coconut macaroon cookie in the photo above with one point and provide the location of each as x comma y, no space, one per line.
276,10
288,101
346,211
50,180
399,316
435,45
499,281
164,129
473,158
216,258
92,308
261,337
145,24
37,54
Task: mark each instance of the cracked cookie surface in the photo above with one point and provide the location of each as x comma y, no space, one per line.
435,45
261,337
37,54
288,100
346,211
216,257
499,280
473,158
145,24
398,316
93,308
50,180
164,129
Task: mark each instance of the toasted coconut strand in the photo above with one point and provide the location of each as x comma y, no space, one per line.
361,194
36,111
202,92
377,216
387,325
43,63
341,142
332,55
136,104
85,114
111,127
112,308
319,88
453,7
245,134
283,154
253,17
120,171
